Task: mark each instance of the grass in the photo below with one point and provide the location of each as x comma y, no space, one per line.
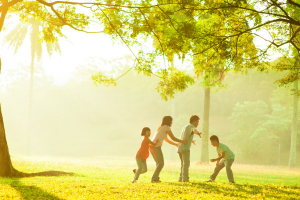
110,178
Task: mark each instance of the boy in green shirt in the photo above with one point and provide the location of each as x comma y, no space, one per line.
227,157
187,134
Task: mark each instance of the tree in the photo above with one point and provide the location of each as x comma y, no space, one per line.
291,64
259,131
15,39
131,21
247,119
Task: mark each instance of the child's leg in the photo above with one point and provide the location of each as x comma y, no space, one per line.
181,168
217,170
228,164
144,167
139,163
186,165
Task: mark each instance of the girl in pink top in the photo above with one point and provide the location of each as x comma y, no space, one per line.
143,154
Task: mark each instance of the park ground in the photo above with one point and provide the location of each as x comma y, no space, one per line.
110,178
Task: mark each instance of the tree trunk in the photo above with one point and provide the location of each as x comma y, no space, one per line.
6,168
205,128
4,9
292,160
34,40
172,149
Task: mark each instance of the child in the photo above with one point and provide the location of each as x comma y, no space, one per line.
143,154
227,157
187,133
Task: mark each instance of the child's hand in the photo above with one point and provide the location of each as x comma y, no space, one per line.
194,142
217,164
213,160
200,134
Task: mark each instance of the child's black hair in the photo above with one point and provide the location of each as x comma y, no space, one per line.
144,130
214,137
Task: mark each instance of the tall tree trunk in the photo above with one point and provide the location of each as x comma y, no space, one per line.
6,168
205,128
172,149
293,150
34,40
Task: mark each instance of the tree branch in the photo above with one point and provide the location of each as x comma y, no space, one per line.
126,71
276,4
111,24
237,7
293,3
162,48
64,21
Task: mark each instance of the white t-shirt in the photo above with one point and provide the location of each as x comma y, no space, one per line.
161,134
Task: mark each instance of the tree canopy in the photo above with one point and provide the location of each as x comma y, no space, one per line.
199,30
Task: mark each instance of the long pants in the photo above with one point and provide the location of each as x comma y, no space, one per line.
159,159
222,164
185,164
142,168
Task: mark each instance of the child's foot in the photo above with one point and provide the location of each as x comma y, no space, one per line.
133,181
210,181
232,182
134,171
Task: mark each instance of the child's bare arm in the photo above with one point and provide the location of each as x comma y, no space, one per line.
218,161
170,142
152,143
197,133
219,158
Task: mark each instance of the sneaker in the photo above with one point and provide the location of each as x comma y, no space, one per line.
133,181
232,182
210,181
134,171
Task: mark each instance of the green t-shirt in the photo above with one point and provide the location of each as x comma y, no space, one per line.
188,135
228,153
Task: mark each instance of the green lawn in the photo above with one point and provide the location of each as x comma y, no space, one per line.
110,178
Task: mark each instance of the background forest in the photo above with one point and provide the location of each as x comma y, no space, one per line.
253,115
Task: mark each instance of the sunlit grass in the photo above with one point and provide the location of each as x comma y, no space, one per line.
110,178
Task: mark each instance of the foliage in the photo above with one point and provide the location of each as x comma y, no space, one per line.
257,129
247,118
134,103
100,78
207,31
175,81
16,37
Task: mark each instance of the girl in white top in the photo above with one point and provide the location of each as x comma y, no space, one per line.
161,134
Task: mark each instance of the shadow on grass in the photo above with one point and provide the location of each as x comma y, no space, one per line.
45,173
243,190
31,192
